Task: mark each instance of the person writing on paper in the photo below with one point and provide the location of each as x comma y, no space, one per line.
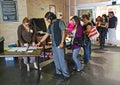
57,30
26,37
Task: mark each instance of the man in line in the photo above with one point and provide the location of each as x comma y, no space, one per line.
57,31
112,28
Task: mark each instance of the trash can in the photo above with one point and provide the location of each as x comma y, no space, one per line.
1,44
10,58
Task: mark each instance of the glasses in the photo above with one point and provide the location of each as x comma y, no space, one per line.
26,24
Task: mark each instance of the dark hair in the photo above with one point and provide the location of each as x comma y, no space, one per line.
106,19
77,20
111,12
50,15
86,16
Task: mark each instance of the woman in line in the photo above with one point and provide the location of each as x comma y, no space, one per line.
26,37
103,29
86,28
77,32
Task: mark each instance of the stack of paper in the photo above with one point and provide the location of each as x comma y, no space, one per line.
19,49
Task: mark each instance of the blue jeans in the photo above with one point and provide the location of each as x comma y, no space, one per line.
60,62
75,58
25,59
87,52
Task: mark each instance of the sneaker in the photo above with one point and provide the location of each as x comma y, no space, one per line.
65,79
78,70
57,76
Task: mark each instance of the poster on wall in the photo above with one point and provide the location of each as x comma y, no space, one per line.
52,8
9,10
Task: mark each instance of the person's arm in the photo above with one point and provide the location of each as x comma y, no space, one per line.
43,39
116,22
19,33
63,39
105,26
63,29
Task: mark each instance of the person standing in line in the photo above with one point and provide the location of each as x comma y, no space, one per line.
57,30
112,28
77,32
70,26
26,37
86,28
103,28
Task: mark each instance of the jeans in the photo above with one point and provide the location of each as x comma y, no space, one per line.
87,52
102,38
32,60
76,60
60,62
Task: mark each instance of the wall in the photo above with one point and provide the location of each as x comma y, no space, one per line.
9,29
34,8
89,1
31,9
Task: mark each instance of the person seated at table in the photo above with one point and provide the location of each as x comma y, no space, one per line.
26,37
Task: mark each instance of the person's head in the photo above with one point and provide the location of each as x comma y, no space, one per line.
104,17
26,21
99,18
76,20
50,16
85,18
110,14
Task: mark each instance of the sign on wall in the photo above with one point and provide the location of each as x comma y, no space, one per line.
9,11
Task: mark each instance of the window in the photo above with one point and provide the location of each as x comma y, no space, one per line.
9,10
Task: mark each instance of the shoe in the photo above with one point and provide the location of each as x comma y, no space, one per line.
79,70
65,79
35,65
74,69
57,76
28,68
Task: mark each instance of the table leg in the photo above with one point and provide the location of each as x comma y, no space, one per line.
39,71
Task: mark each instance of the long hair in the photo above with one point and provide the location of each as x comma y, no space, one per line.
77,20
106,19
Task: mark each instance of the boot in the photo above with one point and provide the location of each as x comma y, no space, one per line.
35,66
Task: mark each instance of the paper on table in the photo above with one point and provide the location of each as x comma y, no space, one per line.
34,47
19,49
29,51
13,49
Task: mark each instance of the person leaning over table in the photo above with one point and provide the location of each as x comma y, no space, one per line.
26,37
57,30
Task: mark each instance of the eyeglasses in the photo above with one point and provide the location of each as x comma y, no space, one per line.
27,24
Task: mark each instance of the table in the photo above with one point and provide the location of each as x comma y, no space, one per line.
36,53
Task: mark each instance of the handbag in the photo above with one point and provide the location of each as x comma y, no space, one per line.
78,41
93,33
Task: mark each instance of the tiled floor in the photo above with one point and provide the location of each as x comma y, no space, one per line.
103,69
